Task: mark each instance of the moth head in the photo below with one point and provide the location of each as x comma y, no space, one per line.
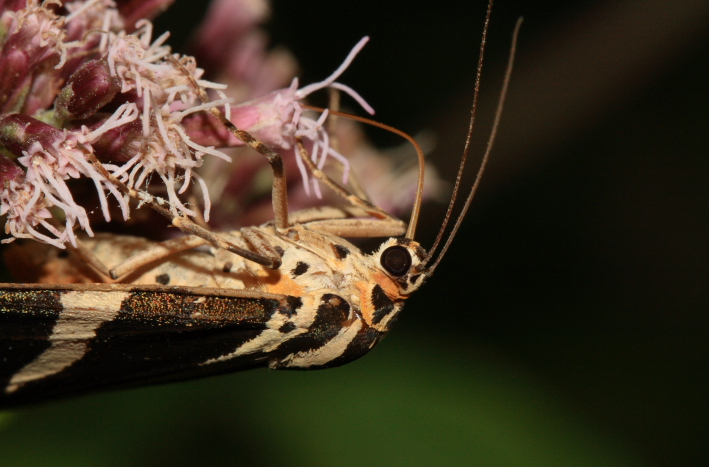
395,276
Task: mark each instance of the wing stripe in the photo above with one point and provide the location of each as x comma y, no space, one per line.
324,354
27,318
82,313
137,338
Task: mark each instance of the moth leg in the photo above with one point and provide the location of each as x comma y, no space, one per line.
182,223
169,247
279,193
90,258
154,253
346,221
368,207
326,212
259,241
389,227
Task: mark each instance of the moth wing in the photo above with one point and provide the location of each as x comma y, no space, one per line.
65,340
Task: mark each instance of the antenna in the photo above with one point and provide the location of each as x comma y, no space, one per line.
473,112
490,142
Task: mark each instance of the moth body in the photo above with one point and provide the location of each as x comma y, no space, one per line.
196,312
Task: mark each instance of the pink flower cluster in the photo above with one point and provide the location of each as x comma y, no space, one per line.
85,81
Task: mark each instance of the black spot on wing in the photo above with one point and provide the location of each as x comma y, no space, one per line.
340,251
159,337
293,304
300,268
286,328
162,279
383,305
226,269
27,318
332,313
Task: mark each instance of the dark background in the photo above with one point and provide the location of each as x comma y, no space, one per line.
567,325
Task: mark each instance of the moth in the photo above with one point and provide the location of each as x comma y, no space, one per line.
289,294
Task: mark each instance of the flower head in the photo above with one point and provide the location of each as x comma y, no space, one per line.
89,99
278,117
157,95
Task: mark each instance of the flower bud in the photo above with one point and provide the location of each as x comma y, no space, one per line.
18,132
204,128
89,88
13,5
14,79
9,172
119,144
45,88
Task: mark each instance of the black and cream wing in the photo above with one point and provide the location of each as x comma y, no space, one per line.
60,341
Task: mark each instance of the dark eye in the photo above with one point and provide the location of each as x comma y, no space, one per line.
396,260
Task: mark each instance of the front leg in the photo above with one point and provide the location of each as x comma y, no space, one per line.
161,251
388,227
151,254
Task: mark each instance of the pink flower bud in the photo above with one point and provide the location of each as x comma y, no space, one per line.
10,172
12,5
225,26
18,132
89,88
44,89
119,144
32,45
204,128
14,79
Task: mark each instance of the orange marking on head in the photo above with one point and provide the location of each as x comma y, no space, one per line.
365,300
390,287
365,293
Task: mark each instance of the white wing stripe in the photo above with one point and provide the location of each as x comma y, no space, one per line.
83,312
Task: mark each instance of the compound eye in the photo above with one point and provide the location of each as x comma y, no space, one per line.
396,260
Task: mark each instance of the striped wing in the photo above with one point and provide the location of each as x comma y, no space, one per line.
66,340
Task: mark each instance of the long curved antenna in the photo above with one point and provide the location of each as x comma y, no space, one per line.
490,142
473,112
419,188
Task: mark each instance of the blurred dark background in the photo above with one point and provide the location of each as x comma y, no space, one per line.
568,323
